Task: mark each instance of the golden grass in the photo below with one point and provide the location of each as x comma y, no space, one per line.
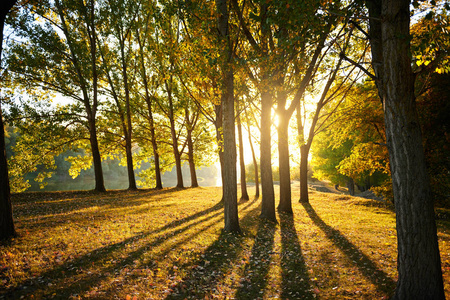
169,244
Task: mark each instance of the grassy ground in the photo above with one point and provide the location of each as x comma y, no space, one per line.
169,245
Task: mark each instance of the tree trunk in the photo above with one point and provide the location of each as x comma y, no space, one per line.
96,158
6,218
304,197
194,181
150,117
130,169
268,196
92,110
155,149
128,132
244,193
285,204
176,152
177,157
158,178
218,125
255,163
351,186
419,265
229,140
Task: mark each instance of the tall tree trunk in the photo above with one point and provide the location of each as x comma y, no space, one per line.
151,121
418,263
6,218
128,128
229,139
244,193
98,170
285,204
304,197
268,196
176,152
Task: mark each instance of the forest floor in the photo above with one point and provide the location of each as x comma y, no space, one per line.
169,244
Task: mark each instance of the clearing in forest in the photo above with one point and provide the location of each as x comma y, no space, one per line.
169,244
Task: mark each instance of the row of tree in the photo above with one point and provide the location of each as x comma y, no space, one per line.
147,74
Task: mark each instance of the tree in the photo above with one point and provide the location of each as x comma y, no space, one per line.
227,101
353,144
7,229
119,26
60,55
419,265
145,42
264,85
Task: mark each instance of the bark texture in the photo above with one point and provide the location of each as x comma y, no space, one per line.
7,229
285,204
229,139
96,158
6,218
268,196
419,265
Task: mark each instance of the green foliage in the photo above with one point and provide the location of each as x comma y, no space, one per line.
430,43
353,145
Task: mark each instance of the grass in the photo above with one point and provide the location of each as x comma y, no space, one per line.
169,244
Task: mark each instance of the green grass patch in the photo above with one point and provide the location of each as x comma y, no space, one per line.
169,244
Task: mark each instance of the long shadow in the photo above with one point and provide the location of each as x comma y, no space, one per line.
43,204
205,274
101,255
80,217
294,273
254,279
366,266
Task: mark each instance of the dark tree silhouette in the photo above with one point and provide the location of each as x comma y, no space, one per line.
6,219
419,265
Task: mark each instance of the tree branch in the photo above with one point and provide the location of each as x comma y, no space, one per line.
342,55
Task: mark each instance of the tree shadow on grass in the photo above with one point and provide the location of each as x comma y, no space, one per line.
254,279
366,266
108,201
46,204
101,257
295,278
205,274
